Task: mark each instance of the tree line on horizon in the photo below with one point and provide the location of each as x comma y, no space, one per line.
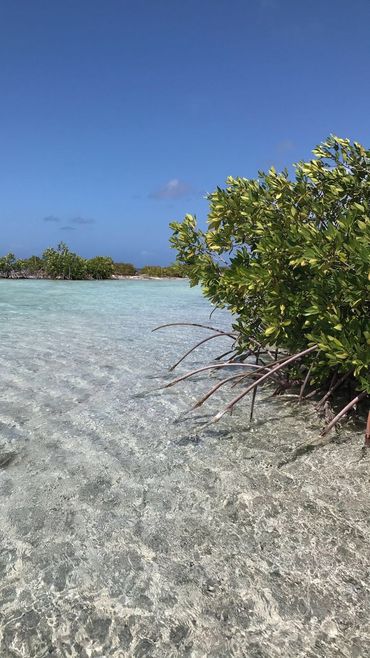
61,263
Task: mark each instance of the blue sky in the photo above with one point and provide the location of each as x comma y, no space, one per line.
117,117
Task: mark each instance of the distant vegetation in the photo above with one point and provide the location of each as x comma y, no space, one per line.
61,263
175,270
125,269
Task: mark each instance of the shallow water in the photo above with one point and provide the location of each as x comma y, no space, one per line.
127,531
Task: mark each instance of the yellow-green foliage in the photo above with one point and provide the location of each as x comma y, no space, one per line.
291,258
100,267
63,263
124,269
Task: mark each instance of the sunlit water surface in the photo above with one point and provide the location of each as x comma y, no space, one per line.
126,530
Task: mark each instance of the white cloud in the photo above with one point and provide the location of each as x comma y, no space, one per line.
173,189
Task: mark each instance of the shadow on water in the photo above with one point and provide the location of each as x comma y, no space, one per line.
155,392
195,438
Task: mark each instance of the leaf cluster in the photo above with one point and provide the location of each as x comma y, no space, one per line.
100,267
291,258
7,264
62,263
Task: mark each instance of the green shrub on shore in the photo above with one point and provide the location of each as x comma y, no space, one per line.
100,267
176,270
32,265
291,260
63,264
124,269
8,263
153,270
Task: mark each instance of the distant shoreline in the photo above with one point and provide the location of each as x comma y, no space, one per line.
114,277
144,277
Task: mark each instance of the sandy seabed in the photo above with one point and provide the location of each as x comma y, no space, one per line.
124,533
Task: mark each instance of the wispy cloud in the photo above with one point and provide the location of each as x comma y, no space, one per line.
285,146
82,221
174,189
51,218
67,228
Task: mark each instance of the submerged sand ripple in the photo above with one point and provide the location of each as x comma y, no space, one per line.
122,538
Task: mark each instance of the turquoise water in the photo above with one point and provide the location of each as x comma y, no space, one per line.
125,531
64,343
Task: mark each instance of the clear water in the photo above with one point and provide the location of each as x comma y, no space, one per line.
64,340
125,531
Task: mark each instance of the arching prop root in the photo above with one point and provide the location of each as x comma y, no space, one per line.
367,432
260,372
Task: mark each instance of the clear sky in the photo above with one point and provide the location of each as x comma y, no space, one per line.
118,116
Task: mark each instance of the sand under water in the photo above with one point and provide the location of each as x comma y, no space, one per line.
126,533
